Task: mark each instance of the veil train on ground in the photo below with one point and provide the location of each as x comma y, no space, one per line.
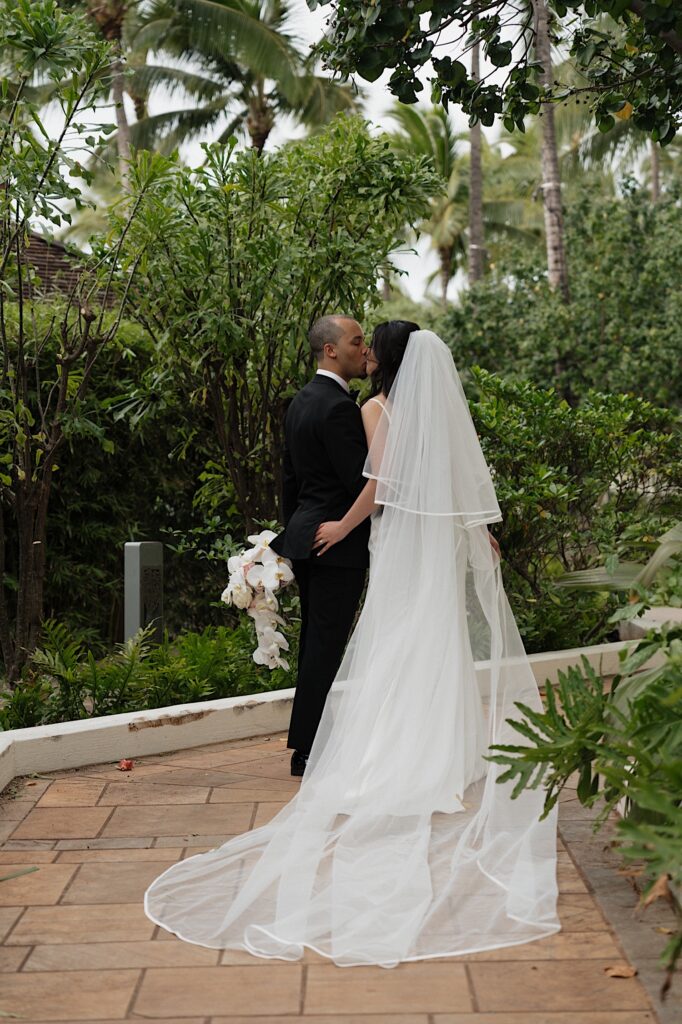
400,844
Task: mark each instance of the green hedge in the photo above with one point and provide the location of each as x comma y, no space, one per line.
66,682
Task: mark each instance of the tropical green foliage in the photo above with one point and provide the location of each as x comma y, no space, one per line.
47,363
65,682
126,477
623,329
507,209
170,427
553,466
575,485
235,65
398,306
631,61
621,575
624,744
242,255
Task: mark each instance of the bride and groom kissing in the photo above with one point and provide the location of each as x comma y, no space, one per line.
403,841
327,502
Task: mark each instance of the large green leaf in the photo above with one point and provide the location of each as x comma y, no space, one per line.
16,874
623,577
626,574
669,545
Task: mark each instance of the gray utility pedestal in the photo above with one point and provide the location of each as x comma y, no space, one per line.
143,601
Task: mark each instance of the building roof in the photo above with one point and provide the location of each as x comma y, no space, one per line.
58,267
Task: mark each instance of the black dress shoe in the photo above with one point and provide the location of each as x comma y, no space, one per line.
298,762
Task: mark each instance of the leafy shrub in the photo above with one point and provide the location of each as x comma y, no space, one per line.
625,744
66,682
127,472
46,371
242,255
575,485
667,592
622,331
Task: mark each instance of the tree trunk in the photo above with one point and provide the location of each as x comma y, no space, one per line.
6,648
476,236
260,119
109,17
445,274
140,104
551,181
138,60
655,171
31,524
123,133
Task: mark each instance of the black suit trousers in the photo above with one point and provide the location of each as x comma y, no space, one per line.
330,595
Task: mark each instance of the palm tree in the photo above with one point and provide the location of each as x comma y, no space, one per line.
110,16
557,265
623,146
236,66
428,132
476,234
519,167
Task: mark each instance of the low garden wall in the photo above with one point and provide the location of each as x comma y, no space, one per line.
180,727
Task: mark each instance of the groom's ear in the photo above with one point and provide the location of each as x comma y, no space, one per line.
329,350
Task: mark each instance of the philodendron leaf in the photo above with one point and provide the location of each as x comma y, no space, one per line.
622,577
669,545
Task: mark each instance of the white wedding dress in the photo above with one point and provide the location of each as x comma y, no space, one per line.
400,844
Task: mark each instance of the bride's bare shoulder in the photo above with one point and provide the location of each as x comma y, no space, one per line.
371,414
373,407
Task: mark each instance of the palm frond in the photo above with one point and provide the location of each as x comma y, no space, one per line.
232,31
233,126
152,76
319,99
152,34
425,132
167,130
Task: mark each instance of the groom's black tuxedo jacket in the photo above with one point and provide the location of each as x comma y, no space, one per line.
324,454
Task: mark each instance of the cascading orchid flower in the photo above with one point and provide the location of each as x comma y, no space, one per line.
255,575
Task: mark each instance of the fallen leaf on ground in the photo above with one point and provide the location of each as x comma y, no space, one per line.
665,931
125,765
15,874
660,890
620,971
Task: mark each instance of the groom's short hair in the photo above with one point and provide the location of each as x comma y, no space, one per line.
326,330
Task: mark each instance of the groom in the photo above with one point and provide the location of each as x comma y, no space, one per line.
324,454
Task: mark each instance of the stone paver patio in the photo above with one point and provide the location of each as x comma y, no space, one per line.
77,946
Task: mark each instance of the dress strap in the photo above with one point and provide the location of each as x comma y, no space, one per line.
382,404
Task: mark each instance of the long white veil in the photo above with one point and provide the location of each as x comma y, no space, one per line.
400,844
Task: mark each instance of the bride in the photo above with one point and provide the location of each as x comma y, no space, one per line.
400,844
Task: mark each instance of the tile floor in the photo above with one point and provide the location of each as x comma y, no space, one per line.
77,946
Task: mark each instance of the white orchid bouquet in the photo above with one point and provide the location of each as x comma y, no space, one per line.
256,575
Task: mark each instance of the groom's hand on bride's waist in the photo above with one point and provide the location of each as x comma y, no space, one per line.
328,534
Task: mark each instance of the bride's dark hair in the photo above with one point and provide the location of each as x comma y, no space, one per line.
389,341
